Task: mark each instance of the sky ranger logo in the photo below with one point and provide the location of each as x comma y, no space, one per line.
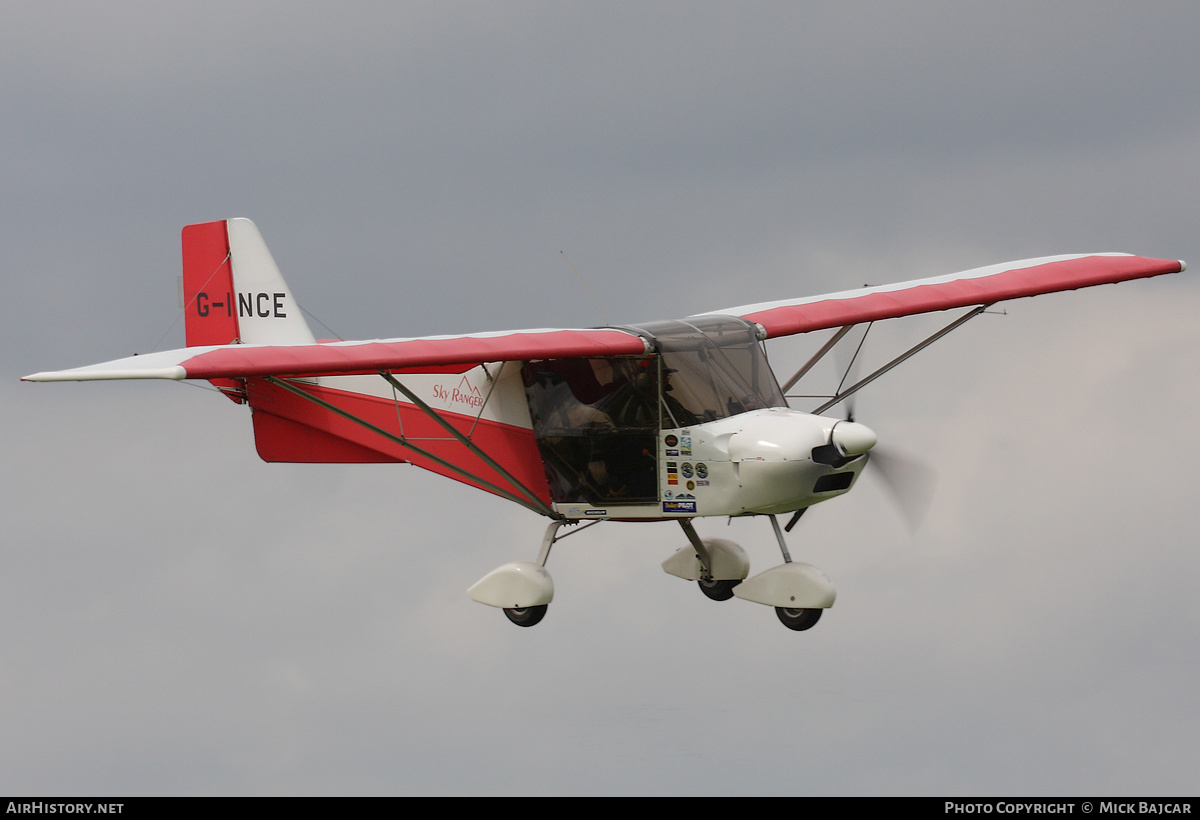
466,394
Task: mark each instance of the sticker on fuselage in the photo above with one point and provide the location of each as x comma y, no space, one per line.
679,506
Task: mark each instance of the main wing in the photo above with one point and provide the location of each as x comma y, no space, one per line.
981,286
447,354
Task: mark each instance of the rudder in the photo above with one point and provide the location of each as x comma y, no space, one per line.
208,299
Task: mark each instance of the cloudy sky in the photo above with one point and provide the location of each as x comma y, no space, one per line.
180,618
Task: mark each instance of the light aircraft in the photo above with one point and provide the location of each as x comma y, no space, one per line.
663,421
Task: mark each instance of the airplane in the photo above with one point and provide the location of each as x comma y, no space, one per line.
662,421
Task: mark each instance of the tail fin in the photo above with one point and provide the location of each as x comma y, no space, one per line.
233,292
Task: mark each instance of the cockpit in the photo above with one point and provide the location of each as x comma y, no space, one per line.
597,421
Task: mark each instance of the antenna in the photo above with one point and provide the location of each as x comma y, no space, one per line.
585,286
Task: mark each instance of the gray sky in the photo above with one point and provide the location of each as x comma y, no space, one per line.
181,618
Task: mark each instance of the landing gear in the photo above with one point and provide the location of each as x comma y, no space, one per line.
523,589
798,619
718,589
531,615
798,592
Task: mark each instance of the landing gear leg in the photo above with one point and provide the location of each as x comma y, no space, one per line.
787,558
717,558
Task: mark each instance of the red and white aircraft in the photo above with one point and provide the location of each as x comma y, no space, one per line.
663,421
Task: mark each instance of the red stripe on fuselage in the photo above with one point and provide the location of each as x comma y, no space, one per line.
513,448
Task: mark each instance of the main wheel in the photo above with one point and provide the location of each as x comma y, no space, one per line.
526,616
718,590
798,619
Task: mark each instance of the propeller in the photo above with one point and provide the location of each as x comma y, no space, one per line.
909,482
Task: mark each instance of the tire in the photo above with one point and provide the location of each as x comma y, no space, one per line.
527,616
798,619
718,590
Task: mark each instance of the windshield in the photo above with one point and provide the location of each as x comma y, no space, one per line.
713,368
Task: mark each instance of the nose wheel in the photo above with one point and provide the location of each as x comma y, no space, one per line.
718,589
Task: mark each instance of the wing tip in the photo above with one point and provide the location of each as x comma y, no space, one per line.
85,374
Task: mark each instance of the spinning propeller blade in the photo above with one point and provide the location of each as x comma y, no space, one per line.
909,483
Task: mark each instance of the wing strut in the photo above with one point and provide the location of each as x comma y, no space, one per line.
531,503
912,351
820,354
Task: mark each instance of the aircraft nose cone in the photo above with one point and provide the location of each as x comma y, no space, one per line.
852,438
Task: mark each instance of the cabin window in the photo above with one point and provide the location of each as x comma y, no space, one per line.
596,425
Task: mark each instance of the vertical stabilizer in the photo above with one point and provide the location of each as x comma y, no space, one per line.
233,291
